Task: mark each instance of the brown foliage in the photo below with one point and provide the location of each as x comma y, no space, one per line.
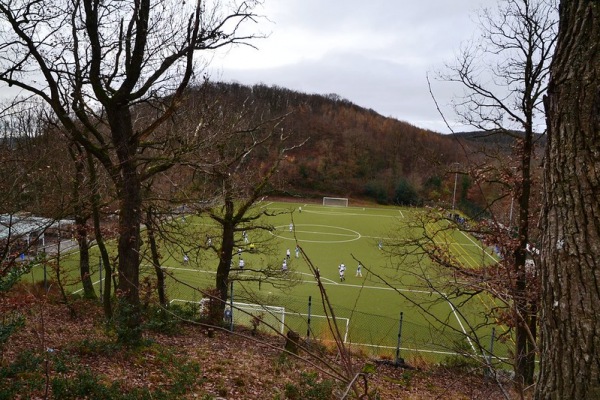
232,365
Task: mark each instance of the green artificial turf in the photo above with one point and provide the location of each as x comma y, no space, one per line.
367,308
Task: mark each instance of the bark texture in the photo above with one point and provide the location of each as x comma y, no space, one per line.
569,320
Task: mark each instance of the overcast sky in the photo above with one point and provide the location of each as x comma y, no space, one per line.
375,53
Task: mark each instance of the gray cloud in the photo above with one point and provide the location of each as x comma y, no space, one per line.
375,54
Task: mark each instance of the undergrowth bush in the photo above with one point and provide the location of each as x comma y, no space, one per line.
309,388
21,377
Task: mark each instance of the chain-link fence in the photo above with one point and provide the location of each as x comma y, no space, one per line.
374,335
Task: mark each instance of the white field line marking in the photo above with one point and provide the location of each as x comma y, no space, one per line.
352,214
80,290
403,348
322,278
401,214
331,282
476,244
348,214
412,349
464,254
461,325
187,269
357,235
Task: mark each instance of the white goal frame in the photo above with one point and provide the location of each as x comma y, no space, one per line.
277,312
335,201
344,320
249,309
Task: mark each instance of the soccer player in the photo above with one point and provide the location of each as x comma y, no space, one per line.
186,259
287,254
291,227
342,270
359,270
242,263
297,252
284,266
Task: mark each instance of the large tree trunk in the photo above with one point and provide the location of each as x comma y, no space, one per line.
524,336
130,204
95,202
225,255
129,258
154,254
570,322
78,155
84,258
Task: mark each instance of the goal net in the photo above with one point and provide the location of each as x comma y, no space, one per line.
318,327
335,201
247,314
266,317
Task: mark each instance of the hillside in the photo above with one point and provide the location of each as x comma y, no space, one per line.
55,355
338,148
348,151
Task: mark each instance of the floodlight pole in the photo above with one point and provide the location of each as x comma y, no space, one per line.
454,195
308,320
399,360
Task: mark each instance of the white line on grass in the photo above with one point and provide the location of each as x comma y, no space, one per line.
331,282
403,348
351,214
190,269
80,290
478,246
353,235
322,278
460,323
337,213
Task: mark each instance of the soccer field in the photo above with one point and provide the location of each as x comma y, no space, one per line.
367,308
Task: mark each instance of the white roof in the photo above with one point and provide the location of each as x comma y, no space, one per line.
17,225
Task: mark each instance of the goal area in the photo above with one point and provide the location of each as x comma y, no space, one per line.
335,201
266,317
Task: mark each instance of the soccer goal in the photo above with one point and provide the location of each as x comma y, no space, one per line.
267,316
335,201
247,313
318,327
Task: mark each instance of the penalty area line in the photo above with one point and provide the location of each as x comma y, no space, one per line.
324,281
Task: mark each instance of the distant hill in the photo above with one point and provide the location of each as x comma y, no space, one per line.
497,140
355,152
349,151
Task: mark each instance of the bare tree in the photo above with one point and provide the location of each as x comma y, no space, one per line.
239,170
570,326
504,76
92,61
81,213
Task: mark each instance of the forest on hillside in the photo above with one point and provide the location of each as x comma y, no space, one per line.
340,150
349,151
